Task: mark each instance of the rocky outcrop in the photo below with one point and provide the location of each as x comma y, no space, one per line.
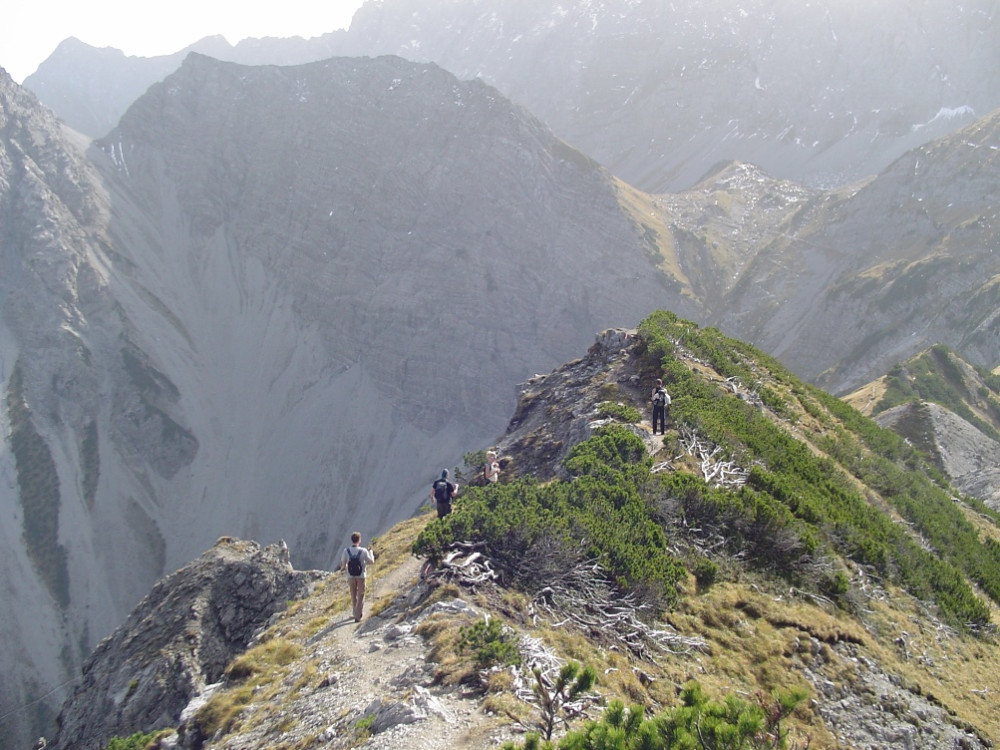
177,641
970,459
561,409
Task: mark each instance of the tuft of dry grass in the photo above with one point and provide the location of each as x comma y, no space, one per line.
393,548
222,711
313,626
503,703
867,396
442,632
263,658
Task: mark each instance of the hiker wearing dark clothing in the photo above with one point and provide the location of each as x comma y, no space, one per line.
661,400
356,560
442,493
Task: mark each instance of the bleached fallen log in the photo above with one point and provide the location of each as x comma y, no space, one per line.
581,596
590,603
715,470
465,564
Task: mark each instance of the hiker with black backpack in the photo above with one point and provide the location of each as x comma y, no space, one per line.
661,400
356,560
442,493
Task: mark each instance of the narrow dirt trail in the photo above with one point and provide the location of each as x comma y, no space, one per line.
381,657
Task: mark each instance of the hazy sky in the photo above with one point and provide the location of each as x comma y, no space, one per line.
32,29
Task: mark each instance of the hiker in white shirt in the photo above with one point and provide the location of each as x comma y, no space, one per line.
356,572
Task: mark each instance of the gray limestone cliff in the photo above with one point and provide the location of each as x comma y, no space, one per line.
77,403
970,459
177,641
273,303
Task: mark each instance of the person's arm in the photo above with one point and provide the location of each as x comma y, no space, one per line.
343,559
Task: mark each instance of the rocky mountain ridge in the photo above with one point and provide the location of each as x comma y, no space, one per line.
660,93
841,285
966,456
949,409
882,674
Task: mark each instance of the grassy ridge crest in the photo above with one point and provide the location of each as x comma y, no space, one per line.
827,492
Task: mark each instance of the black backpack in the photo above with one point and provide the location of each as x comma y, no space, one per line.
354,566
441,491
660,397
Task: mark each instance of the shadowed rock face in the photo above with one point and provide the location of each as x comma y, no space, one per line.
365,252
177,640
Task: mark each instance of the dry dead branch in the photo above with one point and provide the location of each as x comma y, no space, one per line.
464,564
586,599
581,596
716,472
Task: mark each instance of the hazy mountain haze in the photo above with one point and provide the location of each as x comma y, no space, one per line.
661,93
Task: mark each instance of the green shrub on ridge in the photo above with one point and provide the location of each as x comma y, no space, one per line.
800,504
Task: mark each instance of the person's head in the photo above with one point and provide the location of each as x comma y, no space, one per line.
444,473
355,537
659,382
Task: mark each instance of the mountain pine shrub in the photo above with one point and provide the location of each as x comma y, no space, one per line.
823,508
137,741
38,491
554,698
490,643
619,411
802,509
535,533
696,722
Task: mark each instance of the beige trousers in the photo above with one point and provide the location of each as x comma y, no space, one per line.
357,586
